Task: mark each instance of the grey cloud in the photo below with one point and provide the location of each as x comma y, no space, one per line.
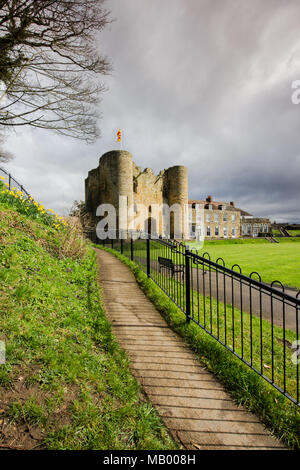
205,83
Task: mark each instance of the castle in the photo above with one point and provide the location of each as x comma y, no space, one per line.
149,195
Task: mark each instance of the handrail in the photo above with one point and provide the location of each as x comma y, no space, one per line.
11,178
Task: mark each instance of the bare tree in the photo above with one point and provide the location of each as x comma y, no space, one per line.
50,65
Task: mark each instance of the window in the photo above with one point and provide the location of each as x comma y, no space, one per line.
208,217
217,231
244,229
225,217
135,186
193,231
233,232
193,206
208,231
233,217
225,232
198,216
217,218
135,208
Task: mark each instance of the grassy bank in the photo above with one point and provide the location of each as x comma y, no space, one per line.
245,386
294,233
66,384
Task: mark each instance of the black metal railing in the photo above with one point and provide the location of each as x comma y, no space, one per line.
257,322
12,182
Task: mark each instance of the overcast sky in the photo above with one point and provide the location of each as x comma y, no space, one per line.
203,83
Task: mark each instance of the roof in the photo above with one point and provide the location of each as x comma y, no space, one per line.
245,214
216,205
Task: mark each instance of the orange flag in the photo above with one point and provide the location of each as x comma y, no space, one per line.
119,135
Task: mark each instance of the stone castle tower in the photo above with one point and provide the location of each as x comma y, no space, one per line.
117,175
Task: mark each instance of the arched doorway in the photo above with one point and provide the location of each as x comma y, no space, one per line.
150,225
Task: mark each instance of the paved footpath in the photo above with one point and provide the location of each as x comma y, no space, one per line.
192,403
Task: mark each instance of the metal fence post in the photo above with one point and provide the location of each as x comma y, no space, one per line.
187,286
148,256
131,249
9,181
112,243
121,245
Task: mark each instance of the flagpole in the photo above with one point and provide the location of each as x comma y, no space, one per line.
119,139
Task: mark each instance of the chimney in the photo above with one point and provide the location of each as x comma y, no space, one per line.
209,199
232,203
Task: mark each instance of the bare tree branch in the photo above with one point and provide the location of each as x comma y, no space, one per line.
50,65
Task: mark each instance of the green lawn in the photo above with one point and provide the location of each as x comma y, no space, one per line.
274,261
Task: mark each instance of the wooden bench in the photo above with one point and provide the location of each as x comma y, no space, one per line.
167,263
